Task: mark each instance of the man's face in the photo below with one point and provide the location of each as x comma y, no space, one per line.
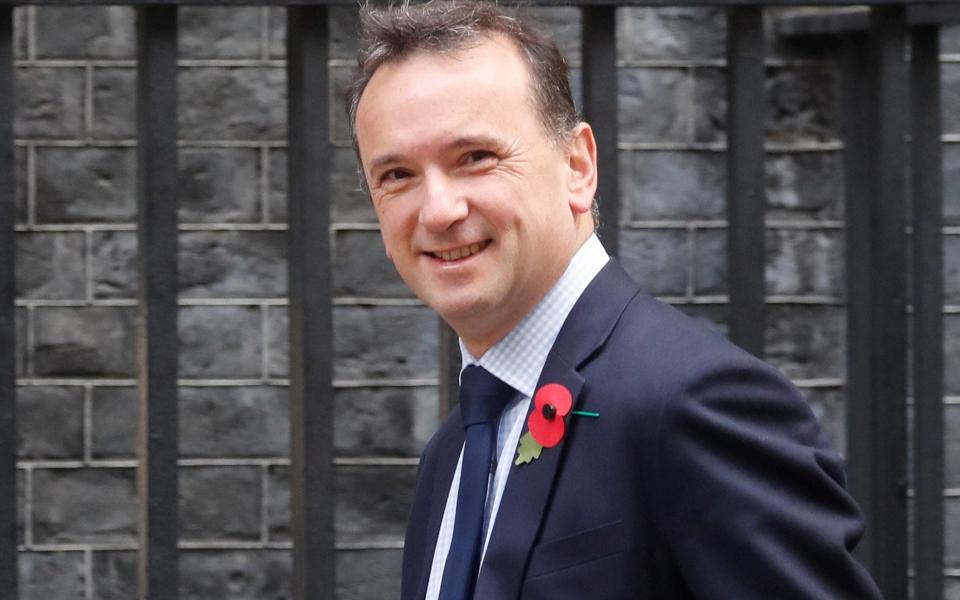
479,209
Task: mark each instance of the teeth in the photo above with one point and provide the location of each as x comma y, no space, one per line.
458,253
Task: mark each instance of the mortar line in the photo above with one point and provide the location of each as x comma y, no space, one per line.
32,32
264,496
691,263
265,184
264,343
264,33
88,572
87,423
88,101
88,264
31,184
28,506
31,341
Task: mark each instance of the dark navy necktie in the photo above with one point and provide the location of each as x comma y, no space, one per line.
482,399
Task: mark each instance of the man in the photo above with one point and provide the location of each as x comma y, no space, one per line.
658,461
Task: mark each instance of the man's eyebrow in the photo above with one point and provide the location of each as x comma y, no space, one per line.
385,160
460,142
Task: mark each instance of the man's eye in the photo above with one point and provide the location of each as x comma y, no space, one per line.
478,156
394,175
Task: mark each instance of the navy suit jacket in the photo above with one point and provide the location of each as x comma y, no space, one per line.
705,476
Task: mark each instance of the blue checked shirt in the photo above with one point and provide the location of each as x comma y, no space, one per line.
517,359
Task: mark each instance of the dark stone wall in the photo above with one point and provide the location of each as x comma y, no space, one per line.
76,282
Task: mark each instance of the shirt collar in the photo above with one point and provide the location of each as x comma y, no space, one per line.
519,356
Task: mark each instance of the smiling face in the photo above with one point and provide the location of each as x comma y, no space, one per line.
480,210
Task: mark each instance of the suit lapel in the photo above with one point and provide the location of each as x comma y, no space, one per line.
529,486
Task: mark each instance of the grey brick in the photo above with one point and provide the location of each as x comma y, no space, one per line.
671,33
951,426
232,103
361,267
951,354
87,32
372,503
347,202
829,406
806,341
368,574
951,269
277,334
219,341
652,105
951,181
218,422
235,574
86,184
950,88
50,265
710,262
114,575
49,422
277,33
342,30
802,262
114,103
21,506
709,105
92,341
220,264
49,103
950,39
20,315
951,530
113,264
20,33
562,24
340,124
804,185
219,32
220,503
951,587
394,422
20,183
52,575
114,415
802,104
84,505
672,185
657,259
219,185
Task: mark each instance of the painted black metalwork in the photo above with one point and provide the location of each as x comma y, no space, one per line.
8,406
311,319
927,185
745,177
157,200
600,109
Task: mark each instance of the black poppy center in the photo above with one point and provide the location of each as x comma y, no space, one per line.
549,411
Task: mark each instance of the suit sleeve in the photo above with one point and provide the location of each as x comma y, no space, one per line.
750,496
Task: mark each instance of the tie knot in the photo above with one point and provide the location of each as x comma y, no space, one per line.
482,396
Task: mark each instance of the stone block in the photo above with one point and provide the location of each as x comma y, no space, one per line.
114,415
86,184
951,269
85,32
20,32
235,574
340,77
343,26
114,575
951,530
49,422
951,181
805,262
88,341
804,185
348,202
829,407
84,506
370,342
950,39
219,31
672,185
220,341
562,24
951,587
951,354
361,267
220,503
658,259
114,103
222,264
651,105
393,422
671,33
244,103
113,264
51,575
218,422
50,265
368,574
710,262
709,105
951,450
21,506
48,103
20,177
372,503
807,341
950,90
219,185
21,326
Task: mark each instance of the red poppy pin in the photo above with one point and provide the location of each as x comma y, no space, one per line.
546,425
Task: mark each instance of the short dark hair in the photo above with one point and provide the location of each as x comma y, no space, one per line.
395,32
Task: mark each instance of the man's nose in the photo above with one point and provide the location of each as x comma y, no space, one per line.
443,205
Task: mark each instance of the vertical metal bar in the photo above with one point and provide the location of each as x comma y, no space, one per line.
8,412
311,328
927,185
158,573
888,337
449,369
600,108
745,176
858,208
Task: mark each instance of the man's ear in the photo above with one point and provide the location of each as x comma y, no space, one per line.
582,169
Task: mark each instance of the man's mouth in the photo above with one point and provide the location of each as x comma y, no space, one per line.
461,252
